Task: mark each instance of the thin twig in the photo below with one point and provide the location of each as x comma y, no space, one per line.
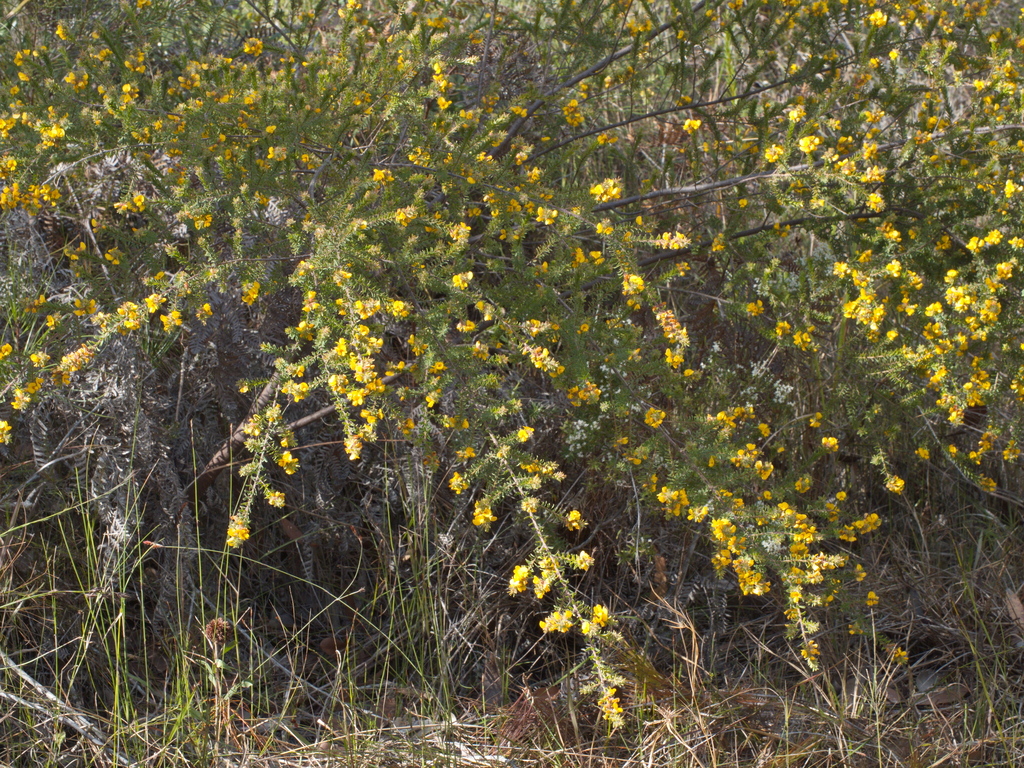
667,111
215,465
219,461
662,255
517,125
700,189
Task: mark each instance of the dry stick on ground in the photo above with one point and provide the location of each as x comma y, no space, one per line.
65,714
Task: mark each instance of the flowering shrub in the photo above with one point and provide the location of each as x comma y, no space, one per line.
813,256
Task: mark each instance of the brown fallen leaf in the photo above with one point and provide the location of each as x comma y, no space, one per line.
290,529
1015,608
330,646
660,577
942,696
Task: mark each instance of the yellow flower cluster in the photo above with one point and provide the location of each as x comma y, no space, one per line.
599,617
573,114
238,531
574,520
632,285
588,393
675,500
606,191
610,706
558,621
654,417
484,516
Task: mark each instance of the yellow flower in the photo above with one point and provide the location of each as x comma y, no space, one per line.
520,579
584,561
404,216
654,417
872,599
674,241
573,115
609,705
288,462
483,515
524,434
253,46
238,531
21,399
895,484
830,444
541,586
809,143
632,285
558,621
354,447
250,291
129,313
458,483
574,521
722,529
810,651
546,215
5,432
606,191
461,280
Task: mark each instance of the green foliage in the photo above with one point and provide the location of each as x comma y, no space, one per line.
724,255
